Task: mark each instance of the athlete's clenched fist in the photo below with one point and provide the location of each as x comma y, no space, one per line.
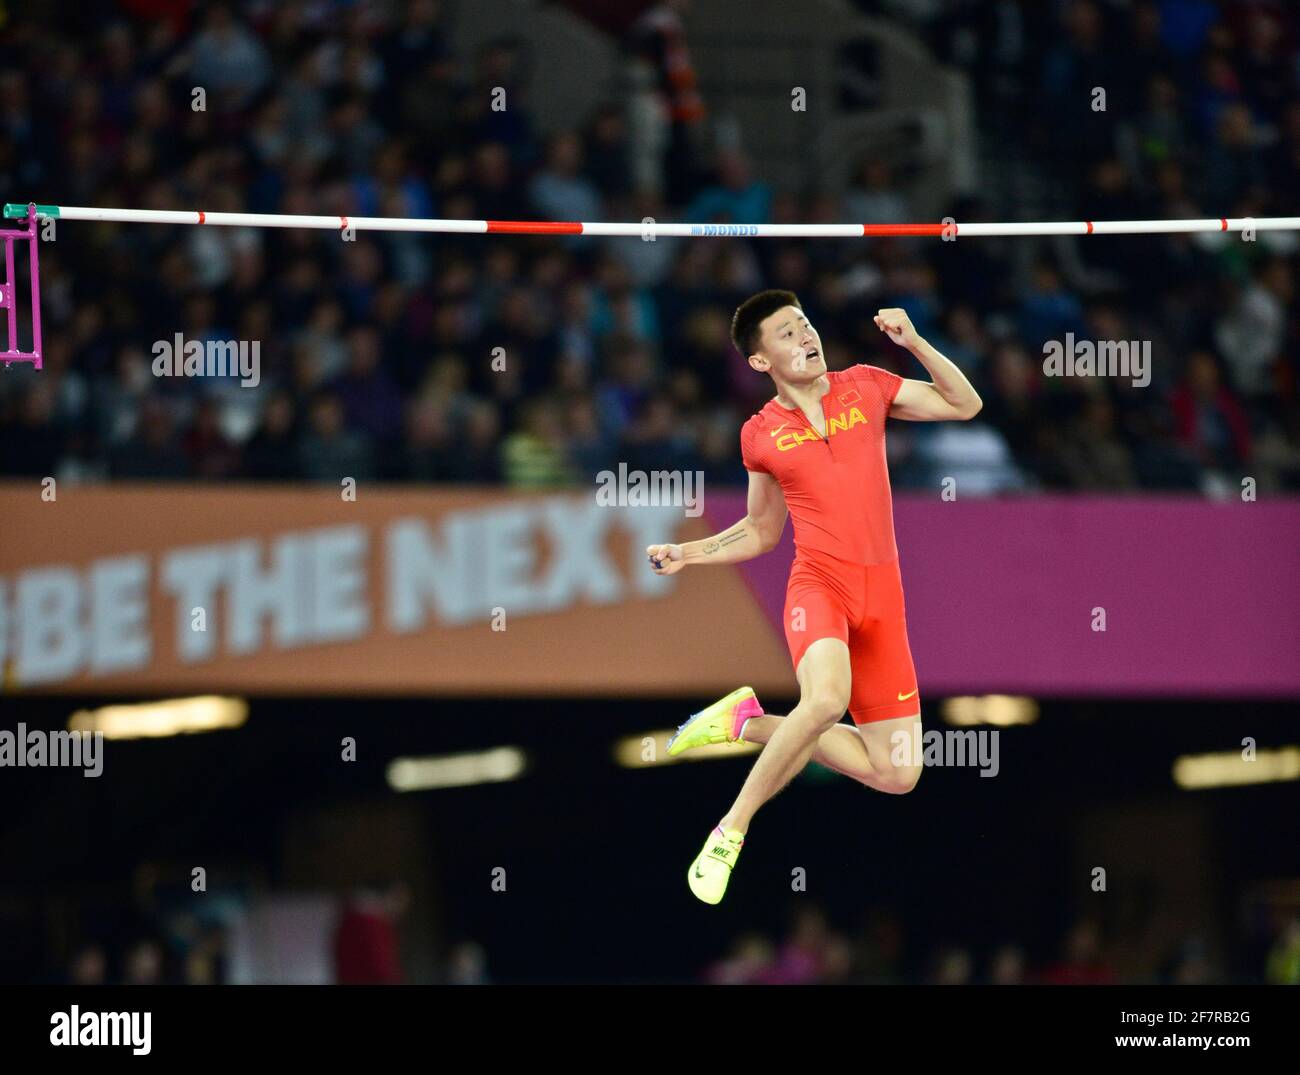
895,324
665,559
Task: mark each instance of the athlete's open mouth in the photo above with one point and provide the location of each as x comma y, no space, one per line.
814,353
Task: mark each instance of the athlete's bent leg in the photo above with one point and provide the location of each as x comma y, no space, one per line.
845,750
823,697
839,748
894,747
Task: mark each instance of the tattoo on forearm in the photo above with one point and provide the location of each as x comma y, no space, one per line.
710,547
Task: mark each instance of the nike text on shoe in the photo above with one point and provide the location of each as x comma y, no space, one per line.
711,870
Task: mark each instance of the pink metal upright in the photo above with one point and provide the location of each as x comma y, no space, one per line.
8,293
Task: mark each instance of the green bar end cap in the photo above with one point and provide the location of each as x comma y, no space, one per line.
17,211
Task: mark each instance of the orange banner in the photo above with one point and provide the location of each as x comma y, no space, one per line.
128,589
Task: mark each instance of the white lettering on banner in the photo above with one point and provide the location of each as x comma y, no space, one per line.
48,602
313,586
486,558
573,578
193,574
252,594
313,592
52,604
339,584
416,566
509,560
119,608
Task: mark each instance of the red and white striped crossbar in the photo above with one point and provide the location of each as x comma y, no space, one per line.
651,229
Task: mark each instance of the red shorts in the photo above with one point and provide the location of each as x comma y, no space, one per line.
862,606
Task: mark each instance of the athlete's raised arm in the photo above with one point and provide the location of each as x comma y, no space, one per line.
950,397
757,533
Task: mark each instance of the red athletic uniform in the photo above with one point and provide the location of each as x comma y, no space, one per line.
844,582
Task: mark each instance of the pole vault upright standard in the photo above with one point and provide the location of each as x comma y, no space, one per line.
647,229
8,288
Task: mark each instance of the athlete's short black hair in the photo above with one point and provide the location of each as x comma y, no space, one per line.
753,312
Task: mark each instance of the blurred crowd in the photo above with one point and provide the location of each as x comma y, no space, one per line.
814,952
365,942
191,943
538,362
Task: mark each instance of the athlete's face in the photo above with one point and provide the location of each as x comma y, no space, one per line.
789,346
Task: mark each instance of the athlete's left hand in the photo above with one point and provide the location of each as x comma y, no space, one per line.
895,324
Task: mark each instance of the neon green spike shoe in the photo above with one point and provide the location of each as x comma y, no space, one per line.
719,723
711,870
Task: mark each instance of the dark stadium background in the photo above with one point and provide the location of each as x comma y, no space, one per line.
595,855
